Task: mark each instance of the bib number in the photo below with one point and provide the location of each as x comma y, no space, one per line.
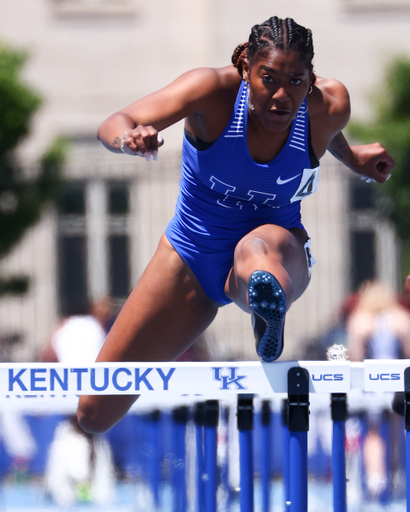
308,184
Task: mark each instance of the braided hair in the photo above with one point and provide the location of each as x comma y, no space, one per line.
275,33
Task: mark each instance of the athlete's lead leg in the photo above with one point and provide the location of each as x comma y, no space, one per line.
270,272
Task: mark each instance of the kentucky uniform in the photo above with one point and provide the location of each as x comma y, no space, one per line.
225,194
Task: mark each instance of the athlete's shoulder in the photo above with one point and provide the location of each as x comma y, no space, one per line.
330,98
329,112
212,79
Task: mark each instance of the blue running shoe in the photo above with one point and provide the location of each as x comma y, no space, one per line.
268,302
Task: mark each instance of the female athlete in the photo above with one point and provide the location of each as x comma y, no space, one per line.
254,134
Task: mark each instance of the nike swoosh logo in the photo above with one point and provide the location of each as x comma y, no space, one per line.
282,182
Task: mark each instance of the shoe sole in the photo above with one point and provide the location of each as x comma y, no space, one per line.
268,302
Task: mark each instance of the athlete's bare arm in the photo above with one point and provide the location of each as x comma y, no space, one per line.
370,160
329,112
204,96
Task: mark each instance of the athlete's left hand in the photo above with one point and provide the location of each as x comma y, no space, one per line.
372,161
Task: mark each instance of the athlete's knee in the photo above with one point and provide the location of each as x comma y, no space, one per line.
89,421
267,241
251,246
97,414
262,250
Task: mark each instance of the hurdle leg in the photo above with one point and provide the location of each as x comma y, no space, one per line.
154,462
298,425
210,454
285,453
224,470
180,419
245,427
199,420
408,470
265,454
299,471
385,432
339,417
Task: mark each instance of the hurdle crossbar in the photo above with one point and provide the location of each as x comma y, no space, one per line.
213,379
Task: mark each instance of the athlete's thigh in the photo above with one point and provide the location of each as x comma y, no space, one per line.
164,314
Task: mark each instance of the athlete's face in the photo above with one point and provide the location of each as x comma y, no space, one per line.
278,85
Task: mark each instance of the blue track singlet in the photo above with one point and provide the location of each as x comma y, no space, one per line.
225,194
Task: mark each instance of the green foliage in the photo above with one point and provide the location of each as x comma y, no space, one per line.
392,129
18,102
23,192
396,107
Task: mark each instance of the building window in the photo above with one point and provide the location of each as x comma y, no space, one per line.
372,239
72,249
363,232
118,199
119,271
93,243
363,253
362,195
73,275
118,209
72,200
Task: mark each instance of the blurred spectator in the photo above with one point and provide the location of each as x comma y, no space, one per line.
405,297
398,403
315,348
378,328
19,443
79,466
103,311
79,337
407,285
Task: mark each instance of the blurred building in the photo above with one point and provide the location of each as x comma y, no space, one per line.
88,59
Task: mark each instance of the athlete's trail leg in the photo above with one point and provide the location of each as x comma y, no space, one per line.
165,313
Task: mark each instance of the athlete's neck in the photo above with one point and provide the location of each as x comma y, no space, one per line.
264,145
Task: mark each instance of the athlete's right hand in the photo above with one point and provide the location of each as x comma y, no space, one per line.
142,141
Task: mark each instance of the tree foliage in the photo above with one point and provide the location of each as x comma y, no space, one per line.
23,192
391,127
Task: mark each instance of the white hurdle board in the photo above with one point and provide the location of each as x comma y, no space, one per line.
214,380
211,379
384,375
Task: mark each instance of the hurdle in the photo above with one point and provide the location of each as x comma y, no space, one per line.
265,459
201,387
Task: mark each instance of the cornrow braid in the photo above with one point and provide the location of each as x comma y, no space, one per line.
289,22
277,31
280,34
238,56
309,42
299,39
255,34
